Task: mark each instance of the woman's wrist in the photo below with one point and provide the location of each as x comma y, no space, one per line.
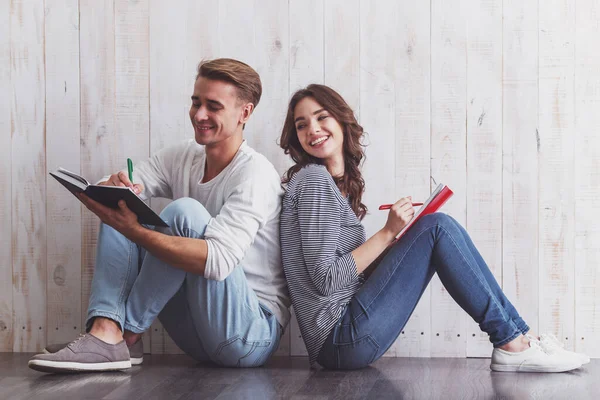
387,235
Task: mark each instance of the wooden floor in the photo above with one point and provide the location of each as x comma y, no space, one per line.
178,377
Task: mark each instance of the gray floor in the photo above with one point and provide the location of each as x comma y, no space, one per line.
178,377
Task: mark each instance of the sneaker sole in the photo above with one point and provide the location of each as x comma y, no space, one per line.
62,366
525,368
134,360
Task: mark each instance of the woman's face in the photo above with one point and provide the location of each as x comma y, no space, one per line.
319,133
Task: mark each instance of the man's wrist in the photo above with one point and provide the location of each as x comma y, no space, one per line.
136,233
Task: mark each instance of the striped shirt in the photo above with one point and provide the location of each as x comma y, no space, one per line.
319,231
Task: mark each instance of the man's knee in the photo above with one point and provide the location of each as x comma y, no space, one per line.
186,217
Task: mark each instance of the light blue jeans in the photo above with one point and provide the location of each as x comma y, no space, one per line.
218,321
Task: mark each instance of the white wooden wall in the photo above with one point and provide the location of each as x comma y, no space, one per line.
498,99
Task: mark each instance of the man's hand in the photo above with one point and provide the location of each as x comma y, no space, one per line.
121,219
121,179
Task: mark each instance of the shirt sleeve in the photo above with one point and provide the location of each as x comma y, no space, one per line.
253,196
155,173
319,217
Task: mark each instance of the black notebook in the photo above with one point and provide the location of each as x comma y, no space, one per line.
109,196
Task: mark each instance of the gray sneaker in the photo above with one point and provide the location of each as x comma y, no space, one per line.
87,353
136,351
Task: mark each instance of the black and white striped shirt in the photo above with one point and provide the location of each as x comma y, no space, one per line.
318,232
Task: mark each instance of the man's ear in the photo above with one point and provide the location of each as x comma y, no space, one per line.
247,110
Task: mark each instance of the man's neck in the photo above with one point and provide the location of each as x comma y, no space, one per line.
219,155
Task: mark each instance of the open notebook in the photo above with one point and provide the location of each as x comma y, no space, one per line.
109,196
438,198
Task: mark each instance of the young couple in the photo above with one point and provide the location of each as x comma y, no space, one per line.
215,278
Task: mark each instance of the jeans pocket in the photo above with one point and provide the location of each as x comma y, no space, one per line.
358,354
241,352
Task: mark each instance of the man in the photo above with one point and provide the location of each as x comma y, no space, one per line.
214,278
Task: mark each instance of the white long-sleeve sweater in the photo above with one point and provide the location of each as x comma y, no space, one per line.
244,201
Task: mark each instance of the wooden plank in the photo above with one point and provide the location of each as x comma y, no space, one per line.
306,43
63,223
556,168
520,267
29,170
236,30
132,106
172,74
167,108
413,146
271,61
587,178
341,39
377,104
6,300
100,142
484,149
448,154
306,65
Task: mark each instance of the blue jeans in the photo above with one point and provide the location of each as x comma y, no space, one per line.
218,321
378,312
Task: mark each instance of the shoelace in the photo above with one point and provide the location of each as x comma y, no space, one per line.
81,336
537,344
550,343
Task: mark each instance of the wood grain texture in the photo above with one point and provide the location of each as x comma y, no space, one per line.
63,221
413,145
556,168
6,129
168,106
306,43
100,144
520,265
6,301
448,154
271,61
484,146
306,66
587,178
341,49
179,377
91,83
28,148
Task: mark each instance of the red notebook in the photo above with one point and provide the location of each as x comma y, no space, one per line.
438,198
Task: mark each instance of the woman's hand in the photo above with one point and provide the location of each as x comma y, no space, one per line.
121,179
400,214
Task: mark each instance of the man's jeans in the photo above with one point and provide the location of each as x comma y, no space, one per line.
218,321
378,312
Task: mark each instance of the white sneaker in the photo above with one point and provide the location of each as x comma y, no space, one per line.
551,344
534,359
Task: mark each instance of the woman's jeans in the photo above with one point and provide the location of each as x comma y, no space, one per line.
378,312
218,321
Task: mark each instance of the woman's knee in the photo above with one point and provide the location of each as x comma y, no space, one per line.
186,217
438,218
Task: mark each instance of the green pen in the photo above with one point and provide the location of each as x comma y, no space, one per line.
130,169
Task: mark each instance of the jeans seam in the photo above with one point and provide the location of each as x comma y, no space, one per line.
397,263
123,287
484,283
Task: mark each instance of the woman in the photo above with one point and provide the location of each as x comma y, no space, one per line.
346,321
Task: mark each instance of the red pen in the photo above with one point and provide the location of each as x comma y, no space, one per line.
388,206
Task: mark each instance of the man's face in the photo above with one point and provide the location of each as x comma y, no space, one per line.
217,113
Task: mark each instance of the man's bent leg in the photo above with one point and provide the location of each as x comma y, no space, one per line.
117,263
236,330
159,289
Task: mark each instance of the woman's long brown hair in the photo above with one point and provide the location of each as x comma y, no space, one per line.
352,181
